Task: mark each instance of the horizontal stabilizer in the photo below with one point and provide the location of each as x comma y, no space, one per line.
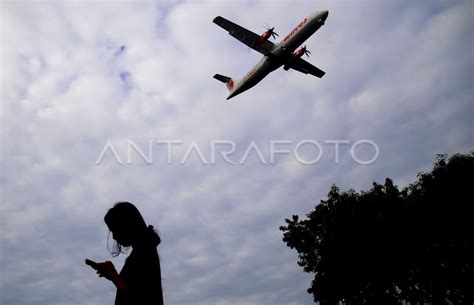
222,78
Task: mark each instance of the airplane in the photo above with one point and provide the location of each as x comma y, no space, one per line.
283,53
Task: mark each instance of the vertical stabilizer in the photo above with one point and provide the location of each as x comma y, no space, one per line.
233,85
229,82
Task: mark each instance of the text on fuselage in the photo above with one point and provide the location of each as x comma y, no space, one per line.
295,29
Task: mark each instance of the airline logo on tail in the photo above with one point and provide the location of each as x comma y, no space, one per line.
230,85
229,82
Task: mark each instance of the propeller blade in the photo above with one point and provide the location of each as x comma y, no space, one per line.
273,33
305,51
270,30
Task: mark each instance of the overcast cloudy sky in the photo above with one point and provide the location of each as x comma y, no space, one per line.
78,79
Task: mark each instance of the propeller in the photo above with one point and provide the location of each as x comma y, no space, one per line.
271,31
305,51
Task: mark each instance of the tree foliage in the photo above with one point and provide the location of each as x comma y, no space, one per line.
385,246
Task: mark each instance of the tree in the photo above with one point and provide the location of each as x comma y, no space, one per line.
385,246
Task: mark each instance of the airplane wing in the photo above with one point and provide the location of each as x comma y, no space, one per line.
305,67
247,37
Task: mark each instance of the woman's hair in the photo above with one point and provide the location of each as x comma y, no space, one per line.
124,216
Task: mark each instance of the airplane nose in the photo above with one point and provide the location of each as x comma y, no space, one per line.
324,14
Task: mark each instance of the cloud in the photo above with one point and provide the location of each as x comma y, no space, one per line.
75,76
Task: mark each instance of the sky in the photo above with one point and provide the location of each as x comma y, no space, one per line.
107,101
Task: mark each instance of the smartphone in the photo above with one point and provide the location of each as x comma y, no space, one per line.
92,264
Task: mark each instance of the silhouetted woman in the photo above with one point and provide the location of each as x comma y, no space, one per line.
139,282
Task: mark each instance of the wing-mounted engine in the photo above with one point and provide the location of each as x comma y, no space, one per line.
295,55
298,53
269,32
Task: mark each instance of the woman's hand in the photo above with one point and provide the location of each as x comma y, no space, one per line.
107,270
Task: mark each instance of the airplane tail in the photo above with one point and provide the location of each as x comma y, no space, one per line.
229,82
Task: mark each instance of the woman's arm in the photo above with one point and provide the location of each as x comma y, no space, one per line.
119,282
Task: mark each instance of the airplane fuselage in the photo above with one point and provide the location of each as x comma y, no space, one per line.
281,52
